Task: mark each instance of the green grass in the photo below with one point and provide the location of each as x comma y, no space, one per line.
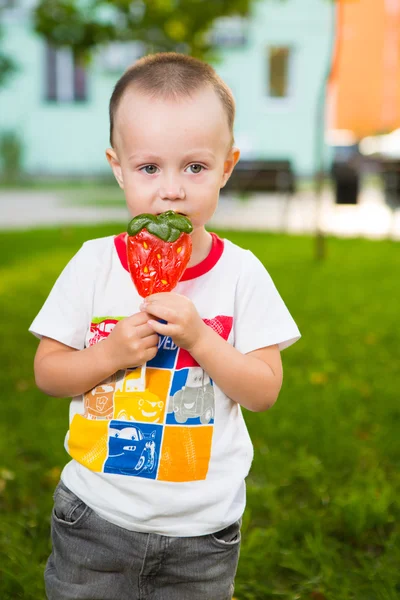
322,519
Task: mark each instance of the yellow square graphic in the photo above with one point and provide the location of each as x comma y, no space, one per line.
142,395
88,442
185,453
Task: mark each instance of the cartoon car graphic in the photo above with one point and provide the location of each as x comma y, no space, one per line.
101,330
195,399
98,402
133,402
131,451
147,408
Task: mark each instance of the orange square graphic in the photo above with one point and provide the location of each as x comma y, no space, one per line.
141,395
88,442
185,453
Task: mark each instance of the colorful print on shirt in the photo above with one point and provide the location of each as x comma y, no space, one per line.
155,421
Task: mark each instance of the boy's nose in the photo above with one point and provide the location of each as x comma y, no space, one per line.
172,193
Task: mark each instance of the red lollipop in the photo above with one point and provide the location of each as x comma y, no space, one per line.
158,249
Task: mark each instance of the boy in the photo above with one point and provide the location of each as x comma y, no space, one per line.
150,505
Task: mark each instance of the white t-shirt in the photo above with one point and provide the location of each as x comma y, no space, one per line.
161,448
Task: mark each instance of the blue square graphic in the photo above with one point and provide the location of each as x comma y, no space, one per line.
166,355
179,380
133,449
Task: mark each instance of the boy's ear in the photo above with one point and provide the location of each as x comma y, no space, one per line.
230,163
115,166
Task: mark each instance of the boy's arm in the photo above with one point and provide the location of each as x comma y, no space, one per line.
253,380
63,371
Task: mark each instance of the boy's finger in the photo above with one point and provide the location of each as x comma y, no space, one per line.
139,318
160,311
151,340
161,328
149,354
166,298
144,330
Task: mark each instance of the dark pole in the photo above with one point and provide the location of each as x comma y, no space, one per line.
319,177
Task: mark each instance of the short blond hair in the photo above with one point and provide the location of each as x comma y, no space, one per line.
171,75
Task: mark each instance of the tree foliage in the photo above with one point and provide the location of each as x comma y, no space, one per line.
160,25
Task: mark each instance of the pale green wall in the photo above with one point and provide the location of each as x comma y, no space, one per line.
71,138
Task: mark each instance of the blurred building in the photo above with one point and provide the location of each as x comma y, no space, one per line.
364,95
274,61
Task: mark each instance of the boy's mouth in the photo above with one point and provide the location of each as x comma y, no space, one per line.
175,211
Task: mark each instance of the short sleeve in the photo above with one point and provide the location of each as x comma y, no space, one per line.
65,314
261,316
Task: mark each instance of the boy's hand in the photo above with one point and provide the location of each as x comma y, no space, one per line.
132,342
184,324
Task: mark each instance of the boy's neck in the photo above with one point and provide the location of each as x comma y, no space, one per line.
201,246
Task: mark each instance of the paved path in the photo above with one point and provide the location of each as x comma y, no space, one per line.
32,209
370,218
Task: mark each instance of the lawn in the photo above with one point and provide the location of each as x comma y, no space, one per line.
322,520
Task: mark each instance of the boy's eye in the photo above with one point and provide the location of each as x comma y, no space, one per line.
149,169
195,168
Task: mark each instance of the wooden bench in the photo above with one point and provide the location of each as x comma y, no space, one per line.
261,176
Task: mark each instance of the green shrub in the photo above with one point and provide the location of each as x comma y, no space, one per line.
11,153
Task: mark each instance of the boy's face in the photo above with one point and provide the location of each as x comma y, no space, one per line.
172,154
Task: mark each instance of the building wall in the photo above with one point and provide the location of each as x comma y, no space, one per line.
274,128
59,138
70,139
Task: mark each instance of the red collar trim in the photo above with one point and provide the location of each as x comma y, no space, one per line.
202,268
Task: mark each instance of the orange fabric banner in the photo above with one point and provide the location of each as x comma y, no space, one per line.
364,87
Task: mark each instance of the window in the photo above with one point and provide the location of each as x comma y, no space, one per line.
229,32
65,79
279,71
8,3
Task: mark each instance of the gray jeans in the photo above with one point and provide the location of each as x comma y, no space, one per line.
93,559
